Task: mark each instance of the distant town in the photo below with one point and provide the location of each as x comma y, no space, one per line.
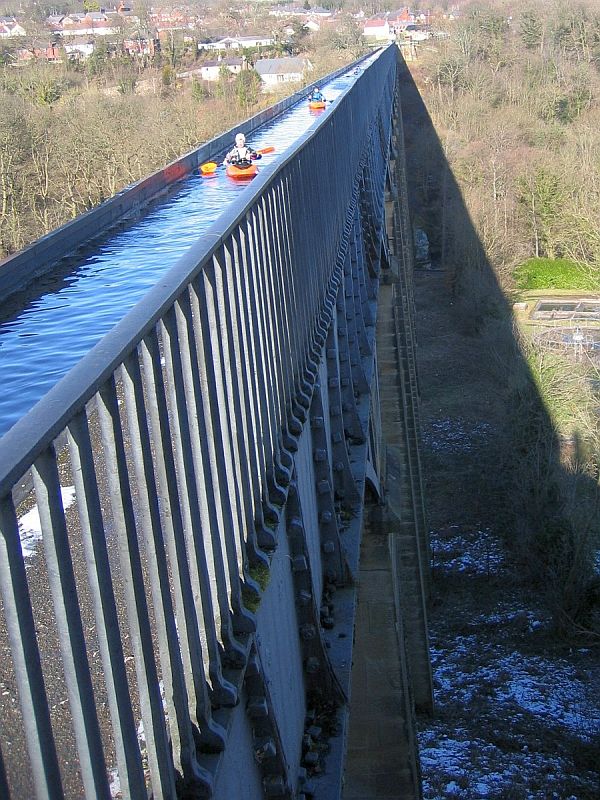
267,38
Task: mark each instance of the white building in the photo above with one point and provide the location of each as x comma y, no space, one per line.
94,23
312,25
288,11
416,34
211,70
274,71
9,28
78,49
237,43
378,28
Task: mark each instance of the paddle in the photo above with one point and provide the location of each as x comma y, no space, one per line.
209,169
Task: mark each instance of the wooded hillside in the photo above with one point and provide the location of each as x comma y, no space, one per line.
515,100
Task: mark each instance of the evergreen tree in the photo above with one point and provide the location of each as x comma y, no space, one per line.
531,29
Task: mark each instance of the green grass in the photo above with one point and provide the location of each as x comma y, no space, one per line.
555,273
261,574
250,600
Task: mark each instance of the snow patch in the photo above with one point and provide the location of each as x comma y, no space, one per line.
30,526
454,435
497,705
455,549
114,783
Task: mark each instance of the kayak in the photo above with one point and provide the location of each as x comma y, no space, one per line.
316,104
242,173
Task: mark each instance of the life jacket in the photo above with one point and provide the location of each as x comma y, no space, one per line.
240,154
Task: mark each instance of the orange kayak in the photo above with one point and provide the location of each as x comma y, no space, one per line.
315,104
242,173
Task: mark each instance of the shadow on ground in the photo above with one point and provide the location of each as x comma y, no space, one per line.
514,593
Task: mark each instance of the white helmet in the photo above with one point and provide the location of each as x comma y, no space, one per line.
240,140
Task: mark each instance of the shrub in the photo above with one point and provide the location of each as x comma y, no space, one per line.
555,495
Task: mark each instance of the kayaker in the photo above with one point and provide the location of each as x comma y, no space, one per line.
240,155
316,96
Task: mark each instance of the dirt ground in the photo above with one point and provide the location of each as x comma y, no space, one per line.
517,711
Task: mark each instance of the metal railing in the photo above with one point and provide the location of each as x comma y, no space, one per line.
178,433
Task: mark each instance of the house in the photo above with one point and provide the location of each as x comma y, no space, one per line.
78,48
388,26
274,71
54,22
417,33
377,28
288,11
211,70
174,18
137,44
398,20
92,23
312,25
10,28
237,43
119,20
40,51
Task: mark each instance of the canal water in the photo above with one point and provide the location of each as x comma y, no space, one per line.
69,311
